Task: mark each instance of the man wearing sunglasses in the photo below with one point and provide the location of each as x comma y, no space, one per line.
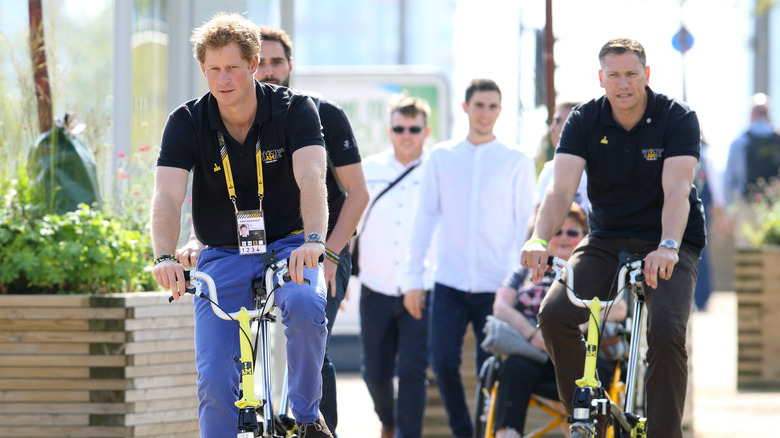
394,326
479,192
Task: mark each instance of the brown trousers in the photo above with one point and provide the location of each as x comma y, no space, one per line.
595,263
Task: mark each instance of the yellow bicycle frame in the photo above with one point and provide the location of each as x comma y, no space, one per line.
247,365
591,355
591,346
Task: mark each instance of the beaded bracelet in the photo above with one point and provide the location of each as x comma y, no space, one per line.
332,256
165,257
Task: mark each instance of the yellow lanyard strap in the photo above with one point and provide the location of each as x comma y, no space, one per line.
231,187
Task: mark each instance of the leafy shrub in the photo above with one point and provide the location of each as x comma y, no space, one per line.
83,251
765,203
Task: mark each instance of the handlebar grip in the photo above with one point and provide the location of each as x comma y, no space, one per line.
188,289
550,260
287,278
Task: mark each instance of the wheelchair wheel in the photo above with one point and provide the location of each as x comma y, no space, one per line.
488,379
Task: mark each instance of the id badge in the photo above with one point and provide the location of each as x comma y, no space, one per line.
251,232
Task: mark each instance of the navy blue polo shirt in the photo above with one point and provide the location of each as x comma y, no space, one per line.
342,151
624,167
285,121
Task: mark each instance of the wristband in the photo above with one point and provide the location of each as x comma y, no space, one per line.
332,256
165,257
533,333
537,240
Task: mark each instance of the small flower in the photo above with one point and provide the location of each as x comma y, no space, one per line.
121,154
144,148
189,200
136,192
120,175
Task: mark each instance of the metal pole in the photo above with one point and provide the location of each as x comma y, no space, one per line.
40,71
402,6
549,60
761,49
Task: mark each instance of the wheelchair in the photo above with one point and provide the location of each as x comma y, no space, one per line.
545,398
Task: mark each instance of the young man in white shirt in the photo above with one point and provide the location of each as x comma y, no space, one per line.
394,326
479,192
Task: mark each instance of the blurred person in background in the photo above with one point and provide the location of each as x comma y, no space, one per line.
478,191
394,325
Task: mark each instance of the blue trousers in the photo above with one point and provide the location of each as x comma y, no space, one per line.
451,311
328,405
217,341
394,342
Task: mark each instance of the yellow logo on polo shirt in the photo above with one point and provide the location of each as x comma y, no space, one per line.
273,155
604,140
217,168
652,154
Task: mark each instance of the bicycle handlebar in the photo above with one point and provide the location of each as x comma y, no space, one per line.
634,269
280,273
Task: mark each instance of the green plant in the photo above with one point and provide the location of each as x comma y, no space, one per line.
83,251
765,204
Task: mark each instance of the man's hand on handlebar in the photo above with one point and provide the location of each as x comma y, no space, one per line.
534,257
188,254
307,255
659,264
170,275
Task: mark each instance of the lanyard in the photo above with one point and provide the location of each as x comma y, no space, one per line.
231,187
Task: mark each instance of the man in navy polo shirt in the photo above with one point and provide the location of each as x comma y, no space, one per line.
347,194
640,149
258,159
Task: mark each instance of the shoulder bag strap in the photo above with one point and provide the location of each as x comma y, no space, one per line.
386,189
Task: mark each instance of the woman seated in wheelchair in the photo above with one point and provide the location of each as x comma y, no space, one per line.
518,304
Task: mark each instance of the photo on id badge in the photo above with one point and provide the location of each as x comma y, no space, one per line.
251,232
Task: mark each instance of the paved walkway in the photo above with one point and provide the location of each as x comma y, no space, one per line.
719,410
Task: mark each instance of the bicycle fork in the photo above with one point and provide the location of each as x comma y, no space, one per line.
639,424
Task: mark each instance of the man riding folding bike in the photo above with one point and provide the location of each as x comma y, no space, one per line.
640,149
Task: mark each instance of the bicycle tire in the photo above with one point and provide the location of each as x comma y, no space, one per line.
577,434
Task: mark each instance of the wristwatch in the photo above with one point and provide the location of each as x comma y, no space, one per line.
315,237
671,244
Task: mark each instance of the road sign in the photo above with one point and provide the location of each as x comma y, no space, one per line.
682,41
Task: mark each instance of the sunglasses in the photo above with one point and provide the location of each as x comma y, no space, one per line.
412,129
571,232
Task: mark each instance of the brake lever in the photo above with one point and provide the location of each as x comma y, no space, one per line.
189,289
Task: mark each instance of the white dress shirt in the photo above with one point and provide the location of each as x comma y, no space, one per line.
481,198
545,178
386,232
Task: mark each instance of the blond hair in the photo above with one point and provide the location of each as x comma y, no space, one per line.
223,29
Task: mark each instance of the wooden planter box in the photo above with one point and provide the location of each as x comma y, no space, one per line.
757,283
120,365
